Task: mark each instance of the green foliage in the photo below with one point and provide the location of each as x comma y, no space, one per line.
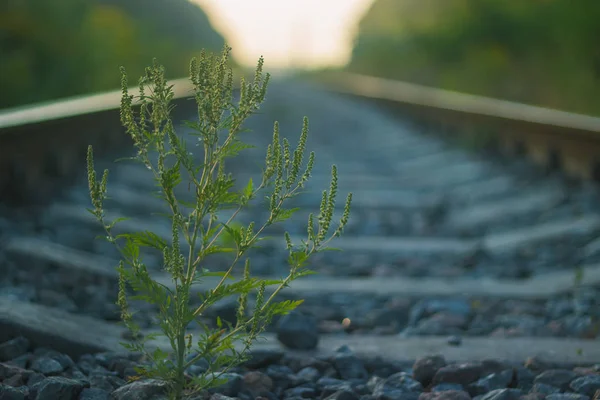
54,49
542,52
166,156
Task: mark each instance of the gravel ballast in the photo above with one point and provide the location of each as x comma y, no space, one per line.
44,374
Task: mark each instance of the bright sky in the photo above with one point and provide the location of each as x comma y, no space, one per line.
302,33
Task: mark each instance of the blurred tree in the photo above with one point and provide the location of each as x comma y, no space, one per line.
53,49
542,52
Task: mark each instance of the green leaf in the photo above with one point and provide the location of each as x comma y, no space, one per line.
249,189
215,249
159,355
216,274
116,221
145,239
297,257
233,234
329,249
284,214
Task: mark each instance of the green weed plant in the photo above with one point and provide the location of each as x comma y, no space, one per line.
166,156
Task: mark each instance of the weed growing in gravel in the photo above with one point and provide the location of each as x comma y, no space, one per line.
166,157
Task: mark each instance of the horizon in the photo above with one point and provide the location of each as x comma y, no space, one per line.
296,34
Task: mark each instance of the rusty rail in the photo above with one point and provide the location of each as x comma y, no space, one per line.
43,145
553,138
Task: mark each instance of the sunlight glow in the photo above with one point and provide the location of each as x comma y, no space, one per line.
288,33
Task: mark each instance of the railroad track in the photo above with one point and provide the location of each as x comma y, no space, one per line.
472,256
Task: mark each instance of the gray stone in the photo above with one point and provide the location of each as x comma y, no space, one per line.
586,385
454,340
13,348
106,382
445,395
462,374
301,392
56,388
343,395
442,387
491,382
298,331
502,394
141,390
263,358
425,368
561,378
395,384
308,374
11,393
47,366
544,389
349,366
94,394
257,382
525,378
232,386
567,396
35,378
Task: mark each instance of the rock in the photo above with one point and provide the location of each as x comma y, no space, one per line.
257,382
536,364
533,396
12,393
263,358
445,395
281,375
218,396
149,389
94,394
13,348
301,392
298,331
447,386
544,389
56,388
462,374
122,366
64,360
47,366
233,385
7,371
424,369
561,378
586,385
396,384
454,340
35,378
343,395
15,381
22,361
502,394
524,377
308,374
108,383
491,382
349,366
567,396
329,386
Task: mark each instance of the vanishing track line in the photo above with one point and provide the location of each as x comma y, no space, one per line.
441,242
